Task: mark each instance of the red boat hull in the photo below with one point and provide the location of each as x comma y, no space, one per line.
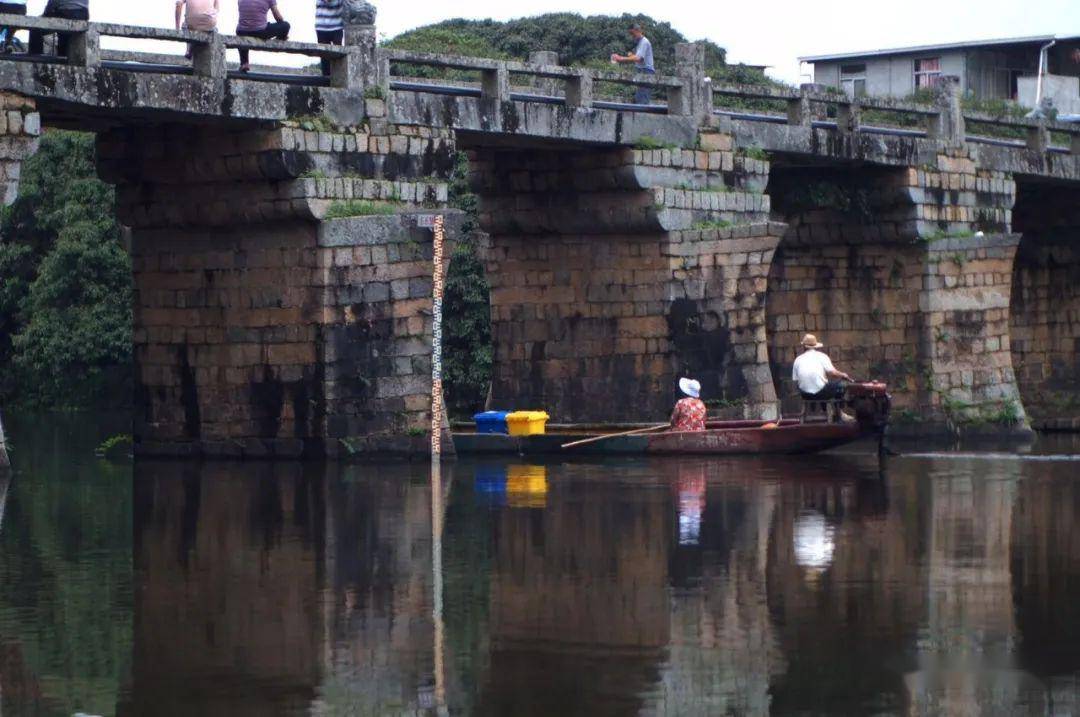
744,437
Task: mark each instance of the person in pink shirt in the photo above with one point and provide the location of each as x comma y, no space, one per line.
198,15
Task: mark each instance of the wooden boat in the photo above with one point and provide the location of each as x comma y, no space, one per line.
820,428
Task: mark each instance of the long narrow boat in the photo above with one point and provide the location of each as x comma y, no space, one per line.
818,431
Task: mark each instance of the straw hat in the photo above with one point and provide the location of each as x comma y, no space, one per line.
690,387
810,342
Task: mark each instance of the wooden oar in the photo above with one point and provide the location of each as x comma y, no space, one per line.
616,435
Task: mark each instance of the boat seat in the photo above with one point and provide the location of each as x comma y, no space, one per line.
821,411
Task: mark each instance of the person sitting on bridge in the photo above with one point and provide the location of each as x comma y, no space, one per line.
690,412
198,15
814,373
329,25
63,10
642,57
253,23
12,7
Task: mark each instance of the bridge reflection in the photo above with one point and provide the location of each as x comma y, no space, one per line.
736,586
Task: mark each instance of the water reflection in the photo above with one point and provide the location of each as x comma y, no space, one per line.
743,586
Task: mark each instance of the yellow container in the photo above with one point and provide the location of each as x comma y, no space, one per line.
527,423
526,486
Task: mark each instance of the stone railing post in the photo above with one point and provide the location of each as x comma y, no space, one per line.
695,98
84,48
848,116
359,68
1038,138
495,83
544,58
798,110
948,126
579,90
208,59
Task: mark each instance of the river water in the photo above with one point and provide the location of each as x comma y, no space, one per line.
936,584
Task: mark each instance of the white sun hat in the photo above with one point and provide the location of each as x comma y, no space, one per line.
690,387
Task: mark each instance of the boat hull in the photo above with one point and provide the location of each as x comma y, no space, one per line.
732,438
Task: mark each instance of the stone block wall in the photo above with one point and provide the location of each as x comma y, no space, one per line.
614,273
965,307
1045,311
283,289
20,130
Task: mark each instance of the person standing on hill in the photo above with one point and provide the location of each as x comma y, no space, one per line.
329,25
642,57
253,23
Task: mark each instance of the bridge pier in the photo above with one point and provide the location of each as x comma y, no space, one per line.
615,272
885,265
283,288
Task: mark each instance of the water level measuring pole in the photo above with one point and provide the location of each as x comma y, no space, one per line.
438,290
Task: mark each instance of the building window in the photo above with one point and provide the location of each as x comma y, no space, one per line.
853,80
927,72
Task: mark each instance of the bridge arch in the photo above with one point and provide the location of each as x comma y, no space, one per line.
1045,311
849,270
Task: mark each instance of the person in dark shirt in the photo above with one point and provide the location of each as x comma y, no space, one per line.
64,10
253,23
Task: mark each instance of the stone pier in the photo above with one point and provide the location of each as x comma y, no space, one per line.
283,288
615,273
906,274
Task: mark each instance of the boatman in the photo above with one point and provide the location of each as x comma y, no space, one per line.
689,414
815,375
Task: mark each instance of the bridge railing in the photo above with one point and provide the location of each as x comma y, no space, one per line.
208,51
817,107
501,80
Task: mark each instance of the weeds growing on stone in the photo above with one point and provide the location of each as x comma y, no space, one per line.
359,208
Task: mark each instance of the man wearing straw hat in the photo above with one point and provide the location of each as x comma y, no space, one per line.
814,373
689,414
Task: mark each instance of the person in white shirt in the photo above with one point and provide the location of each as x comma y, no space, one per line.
642,59
815,375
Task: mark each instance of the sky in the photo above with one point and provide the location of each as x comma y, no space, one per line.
755,33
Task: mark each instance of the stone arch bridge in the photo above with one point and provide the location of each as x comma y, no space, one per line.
284,288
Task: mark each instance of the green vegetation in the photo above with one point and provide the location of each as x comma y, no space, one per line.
468,351
578,40
360,208
711,225
115,446
963,413
375,92
315,123
650,143
65,284
753,153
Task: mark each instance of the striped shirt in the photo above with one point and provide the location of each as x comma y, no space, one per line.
328,15
253,15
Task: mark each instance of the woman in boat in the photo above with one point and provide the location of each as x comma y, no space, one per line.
689,414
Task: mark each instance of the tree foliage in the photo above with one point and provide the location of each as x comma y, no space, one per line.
65,284
578,40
